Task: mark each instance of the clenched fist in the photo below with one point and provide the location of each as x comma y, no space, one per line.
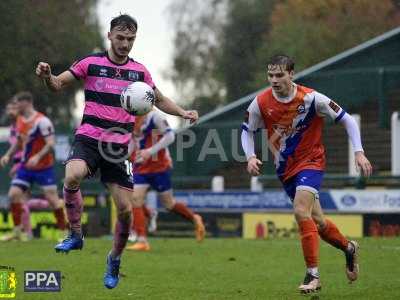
43,70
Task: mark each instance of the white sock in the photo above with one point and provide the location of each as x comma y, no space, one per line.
350,247
142,239
313,271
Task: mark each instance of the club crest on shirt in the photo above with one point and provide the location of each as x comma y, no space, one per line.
301,109
133,76
334,106
103,72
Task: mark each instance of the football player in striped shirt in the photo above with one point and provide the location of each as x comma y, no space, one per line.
102,140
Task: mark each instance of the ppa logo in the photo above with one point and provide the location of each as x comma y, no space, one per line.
42,281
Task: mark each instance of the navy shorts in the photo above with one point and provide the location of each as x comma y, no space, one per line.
308,180
24,178
160,182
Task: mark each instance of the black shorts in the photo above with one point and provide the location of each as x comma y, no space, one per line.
111,159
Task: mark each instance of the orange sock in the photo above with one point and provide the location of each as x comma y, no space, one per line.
16,211
60,218
309,242
139,222
183,210
332,236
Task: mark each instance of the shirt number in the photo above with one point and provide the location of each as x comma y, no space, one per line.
129,167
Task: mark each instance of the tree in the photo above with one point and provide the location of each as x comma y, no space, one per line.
242,36
197,25
58,32
313,30
222,46
216,43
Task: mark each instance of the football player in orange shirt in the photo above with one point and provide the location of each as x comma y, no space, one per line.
152,168
35,135
293,116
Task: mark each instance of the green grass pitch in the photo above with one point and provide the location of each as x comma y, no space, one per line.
216,269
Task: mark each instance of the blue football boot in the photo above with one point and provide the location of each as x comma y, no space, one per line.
111,277
72,242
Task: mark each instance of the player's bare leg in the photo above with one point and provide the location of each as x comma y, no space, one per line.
37,203
75,172
28,205
26,219
139,222
170,203
331,234
122,199
303,204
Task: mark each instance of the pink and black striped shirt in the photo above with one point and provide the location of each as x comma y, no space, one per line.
103,118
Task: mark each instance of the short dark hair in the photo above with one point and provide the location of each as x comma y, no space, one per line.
124,22
25,95
282,60
12,100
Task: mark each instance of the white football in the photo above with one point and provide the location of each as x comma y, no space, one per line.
138,98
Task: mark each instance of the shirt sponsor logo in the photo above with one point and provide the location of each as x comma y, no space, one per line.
102,85
283,130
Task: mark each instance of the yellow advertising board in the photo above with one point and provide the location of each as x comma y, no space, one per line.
271,225
44,220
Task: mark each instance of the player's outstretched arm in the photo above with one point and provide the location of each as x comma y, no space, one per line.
170,107
54,83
